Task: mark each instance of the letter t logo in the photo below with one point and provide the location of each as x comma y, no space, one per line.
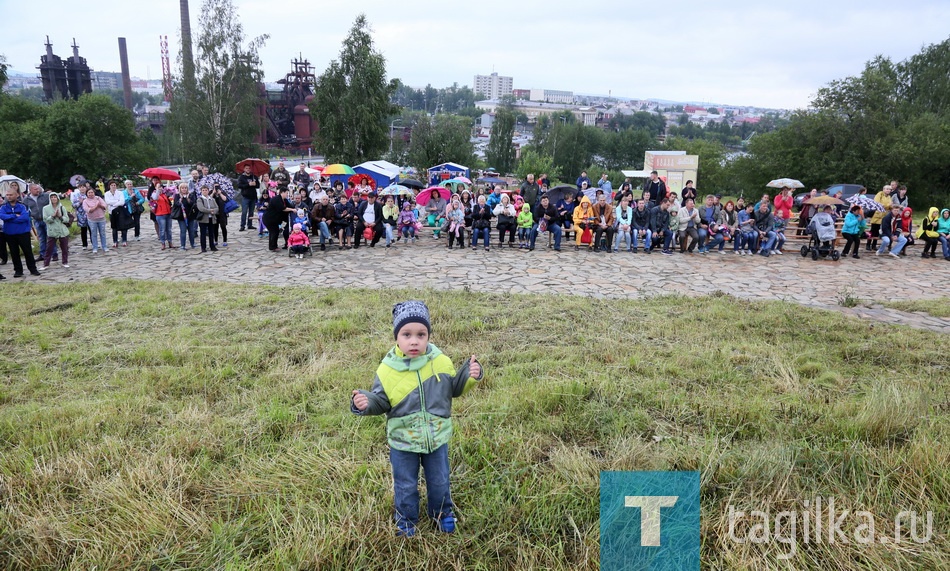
650,516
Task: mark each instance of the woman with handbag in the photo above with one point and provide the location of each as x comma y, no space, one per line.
58,222
507,219
137,204
208,209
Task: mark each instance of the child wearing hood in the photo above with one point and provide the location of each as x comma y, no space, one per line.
303,219
456,221
943,232
907,227
298,242
407,222
928,233
525,222
414,386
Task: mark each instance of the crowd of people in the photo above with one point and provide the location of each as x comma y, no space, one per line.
301,211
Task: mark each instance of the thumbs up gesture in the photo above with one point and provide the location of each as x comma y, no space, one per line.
474,369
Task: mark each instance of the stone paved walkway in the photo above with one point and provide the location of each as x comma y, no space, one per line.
427,263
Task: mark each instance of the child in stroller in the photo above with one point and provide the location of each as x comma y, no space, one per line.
821,228
303,220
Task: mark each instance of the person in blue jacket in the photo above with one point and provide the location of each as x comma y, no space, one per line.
16,228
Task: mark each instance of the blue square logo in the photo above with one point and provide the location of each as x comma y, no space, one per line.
649,521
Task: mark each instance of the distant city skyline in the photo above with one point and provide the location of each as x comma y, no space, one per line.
742,53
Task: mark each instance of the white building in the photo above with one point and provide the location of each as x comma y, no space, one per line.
552,96
493,86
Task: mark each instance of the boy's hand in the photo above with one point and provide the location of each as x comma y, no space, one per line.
359,400
474,369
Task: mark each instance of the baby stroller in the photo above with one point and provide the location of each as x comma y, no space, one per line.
822,238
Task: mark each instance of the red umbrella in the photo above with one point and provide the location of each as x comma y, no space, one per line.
423,197
162,174
258,167
358,179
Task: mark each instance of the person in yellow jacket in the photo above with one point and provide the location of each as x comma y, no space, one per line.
884,199
584,219
928,233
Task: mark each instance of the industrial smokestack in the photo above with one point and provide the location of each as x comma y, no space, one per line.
126,78
187,59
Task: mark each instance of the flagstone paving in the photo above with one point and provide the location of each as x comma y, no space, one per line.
428,264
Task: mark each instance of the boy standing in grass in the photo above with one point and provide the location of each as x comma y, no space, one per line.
414,386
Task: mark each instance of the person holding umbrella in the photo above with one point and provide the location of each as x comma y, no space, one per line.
16,227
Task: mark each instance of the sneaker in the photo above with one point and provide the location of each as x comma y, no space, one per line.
893,254
224,244
723,252
447,524
84,247
241,229
667,253
41,268
323,247
65,265
406,529
877,252
779,252
95,251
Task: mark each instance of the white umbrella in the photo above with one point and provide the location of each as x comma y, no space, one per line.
308,170
785,182
5,181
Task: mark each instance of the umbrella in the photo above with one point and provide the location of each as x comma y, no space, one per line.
220,180
824,200
466,180
258,166
423,197
396,190
866,203
358,179
412,183
6,179
338,168
162,174
785,182
561,191
308,170
76,180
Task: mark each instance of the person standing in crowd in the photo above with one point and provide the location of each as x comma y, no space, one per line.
657,188
851,231
222,216
116,199
249,186
605,185
783,203
96,209
36,200
155,189
277,211
883,198
281,176
57,230
16,227
207,221
689,191
182,207
582,180
194,184
162,212
77,197
302,177
530,190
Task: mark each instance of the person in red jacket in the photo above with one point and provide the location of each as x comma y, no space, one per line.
163,216
783,203
298,242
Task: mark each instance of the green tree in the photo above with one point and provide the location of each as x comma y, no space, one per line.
626,149
34,94
500,153
216,118
352,101
535,163
3,71
439,139
92,136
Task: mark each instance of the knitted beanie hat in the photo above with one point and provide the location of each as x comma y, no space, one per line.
411,311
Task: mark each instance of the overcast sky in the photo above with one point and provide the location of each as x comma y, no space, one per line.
742,52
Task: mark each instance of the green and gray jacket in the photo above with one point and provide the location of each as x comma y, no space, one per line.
416,397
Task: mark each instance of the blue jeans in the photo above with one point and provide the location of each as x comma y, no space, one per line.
98,230
486,232
185,231
408,231
717,240
406,480
945,244
623,236
41,236
779,241
247,211
647,238
898,242
164,228
769,242
554,229
703,234
325,233
667,239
